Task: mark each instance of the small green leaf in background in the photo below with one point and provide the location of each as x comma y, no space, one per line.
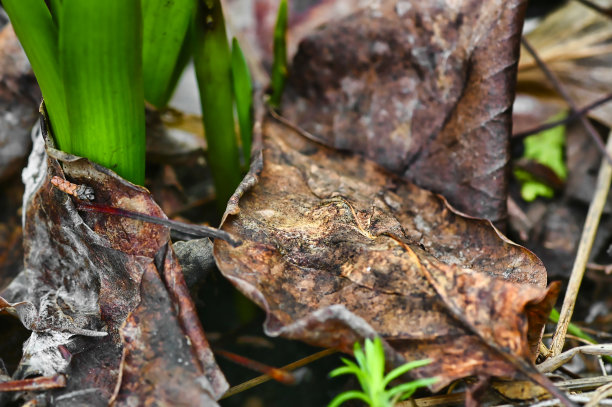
279,66
100,43
545,148
212,62
38,34
243,94
165,48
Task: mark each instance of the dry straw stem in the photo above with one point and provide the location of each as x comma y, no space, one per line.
600,394
584,250
573,385
551,364
575,43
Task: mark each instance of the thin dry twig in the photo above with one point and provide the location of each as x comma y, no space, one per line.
264,378
561,91
572,385
35,384
584,250
570,118
600,394
606,268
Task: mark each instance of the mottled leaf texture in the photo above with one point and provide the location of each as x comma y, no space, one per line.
424,88
104,297
337,248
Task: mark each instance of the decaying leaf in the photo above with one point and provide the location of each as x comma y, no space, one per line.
424,88
104,296
335,248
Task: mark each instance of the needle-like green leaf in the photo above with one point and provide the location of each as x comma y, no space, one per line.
349,395
165,27
38,34
279,66
243,94
101,65
405,390
398,371
212,65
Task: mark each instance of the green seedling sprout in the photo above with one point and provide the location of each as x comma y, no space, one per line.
370,372
212,65
279,66
243,91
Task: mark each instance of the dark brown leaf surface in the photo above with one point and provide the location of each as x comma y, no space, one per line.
104,296
337,248
424,88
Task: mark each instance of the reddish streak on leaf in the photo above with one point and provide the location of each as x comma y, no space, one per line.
195,230
277,374
35,384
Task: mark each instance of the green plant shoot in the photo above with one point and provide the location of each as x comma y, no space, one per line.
370,372
279,65
165,49
212,65
101,66
243,95
545,148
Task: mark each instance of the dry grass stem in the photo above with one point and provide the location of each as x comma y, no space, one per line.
584,250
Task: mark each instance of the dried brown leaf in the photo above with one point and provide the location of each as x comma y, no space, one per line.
104,296
337,248
423,88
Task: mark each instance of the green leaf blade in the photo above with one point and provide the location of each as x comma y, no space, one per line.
349,395
101,64
406,390
243,95
38,35
279,66
398,371
165,28
212,64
